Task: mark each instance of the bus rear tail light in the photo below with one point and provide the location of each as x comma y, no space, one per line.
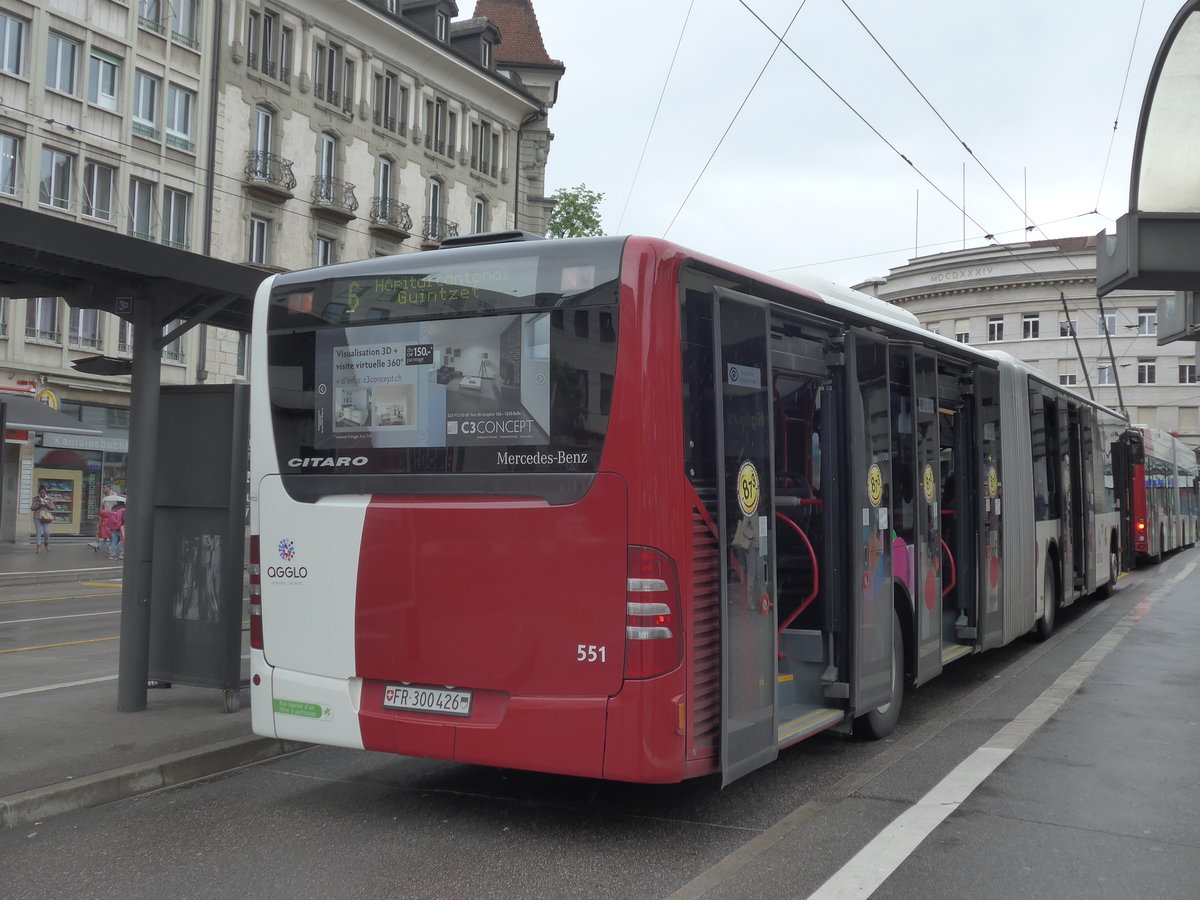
1141,524
256,631
653,632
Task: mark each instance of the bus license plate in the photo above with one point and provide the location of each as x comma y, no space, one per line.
428,699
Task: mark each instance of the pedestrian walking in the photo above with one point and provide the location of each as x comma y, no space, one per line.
43,516
116,531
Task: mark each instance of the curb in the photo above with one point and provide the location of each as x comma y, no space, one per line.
52,576
140,778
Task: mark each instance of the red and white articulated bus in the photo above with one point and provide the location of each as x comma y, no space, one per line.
610,508
1163,493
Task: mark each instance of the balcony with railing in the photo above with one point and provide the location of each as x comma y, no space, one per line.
436,229
390,218
269,176
333,199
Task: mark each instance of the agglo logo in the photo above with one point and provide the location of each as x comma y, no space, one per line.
287,550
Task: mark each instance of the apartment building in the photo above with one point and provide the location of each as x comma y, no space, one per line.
277,135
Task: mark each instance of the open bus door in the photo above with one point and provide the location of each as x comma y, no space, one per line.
867,494
1122,475
747,541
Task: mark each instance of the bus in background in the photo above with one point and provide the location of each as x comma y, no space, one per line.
610,508
1163,491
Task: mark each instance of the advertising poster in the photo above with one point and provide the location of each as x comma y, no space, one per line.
447,383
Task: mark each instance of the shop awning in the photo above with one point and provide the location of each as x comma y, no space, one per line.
30,414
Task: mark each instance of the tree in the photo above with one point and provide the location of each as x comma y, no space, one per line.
576,213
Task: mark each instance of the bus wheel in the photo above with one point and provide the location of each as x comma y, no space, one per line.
1045,625
1114,572
881,722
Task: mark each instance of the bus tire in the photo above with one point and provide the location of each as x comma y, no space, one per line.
880,722
1114,572
1045,624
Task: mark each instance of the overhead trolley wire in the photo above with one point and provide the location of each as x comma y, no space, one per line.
671,68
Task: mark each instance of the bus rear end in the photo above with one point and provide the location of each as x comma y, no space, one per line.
441,567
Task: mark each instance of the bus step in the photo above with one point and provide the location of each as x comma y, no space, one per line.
951,652
797,723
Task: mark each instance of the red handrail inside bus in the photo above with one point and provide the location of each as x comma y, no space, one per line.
816,568
953,570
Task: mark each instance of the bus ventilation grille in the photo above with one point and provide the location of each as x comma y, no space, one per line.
705,708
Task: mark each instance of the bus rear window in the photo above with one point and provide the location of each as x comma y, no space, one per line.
379,370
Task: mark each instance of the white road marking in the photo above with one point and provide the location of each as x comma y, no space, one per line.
111,612
55,687
875,862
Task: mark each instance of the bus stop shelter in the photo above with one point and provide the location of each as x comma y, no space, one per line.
149,285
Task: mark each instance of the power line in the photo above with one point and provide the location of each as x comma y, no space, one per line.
741,106
654,118
1120,102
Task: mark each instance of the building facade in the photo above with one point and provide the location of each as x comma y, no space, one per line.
278,135
1037,301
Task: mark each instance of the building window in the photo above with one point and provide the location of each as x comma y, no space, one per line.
334,76
1068,378
1031,326
10,165
387,91
435,198
451,133
98,182
1187,373
1108,324
443,27
1105,376
963,337
480,219
12,44
104,80
41,320
141,209
286,41
150,15
183,22
177,209
180,105
258,249
57,176
581,323
243,355
383,182
1147,321
485,54
146,89
85,328
995,328
1068,328
485,145
323,251
125,338
435,125
174,349
326,168
62,59
3,316
1147,371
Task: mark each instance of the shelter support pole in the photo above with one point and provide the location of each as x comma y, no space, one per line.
134,660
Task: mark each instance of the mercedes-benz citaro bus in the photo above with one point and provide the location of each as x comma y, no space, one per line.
610,508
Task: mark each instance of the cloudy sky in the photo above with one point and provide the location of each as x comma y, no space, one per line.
800,180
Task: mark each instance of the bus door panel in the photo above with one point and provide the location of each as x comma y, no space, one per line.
929,558
746,532
1076,530
959,510
991,535
867,494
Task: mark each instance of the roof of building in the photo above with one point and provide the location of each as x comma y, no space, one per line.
520,36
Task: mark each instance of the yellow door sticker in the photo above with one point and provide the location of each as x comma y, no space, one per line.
929,483
993,484
748,488
874,484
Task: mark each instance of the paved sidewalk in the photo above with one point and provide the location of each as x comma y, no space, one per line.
66,747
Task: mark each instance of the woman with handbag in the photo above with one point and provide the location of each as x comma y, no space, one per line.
43,516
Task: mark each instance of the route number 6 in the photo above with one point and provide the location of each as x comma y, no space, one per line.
590,653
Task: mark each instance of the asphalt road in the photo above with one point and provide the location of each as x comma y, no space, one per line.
1069,815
